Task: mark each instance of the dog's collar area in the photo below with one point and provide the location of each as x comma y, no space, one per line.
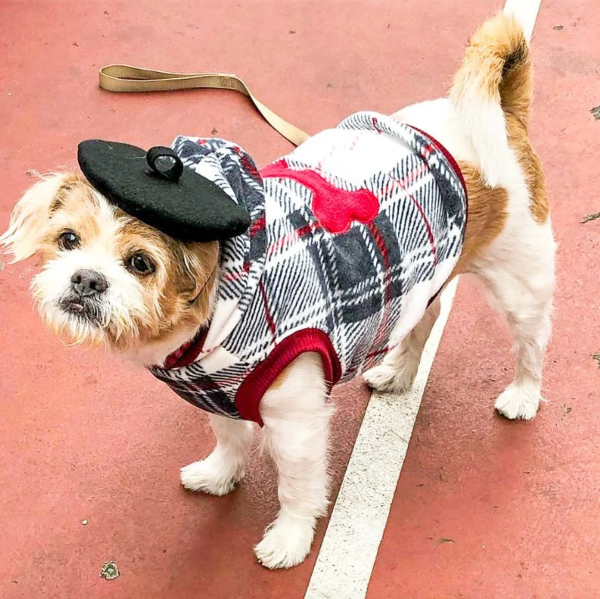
188,352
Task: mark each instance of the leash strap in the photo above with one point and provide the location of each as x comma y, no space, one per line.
125,78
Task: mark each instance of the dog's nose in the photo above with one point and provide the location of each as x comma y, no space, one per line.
88,282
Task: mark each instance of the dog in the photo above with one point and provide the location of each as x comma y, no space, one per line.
109,279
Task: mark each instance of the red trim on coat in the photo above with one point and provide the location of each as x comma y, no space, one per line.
188,352
257,382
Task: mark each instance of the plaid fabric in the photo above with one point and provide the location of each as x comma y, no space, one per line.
352,235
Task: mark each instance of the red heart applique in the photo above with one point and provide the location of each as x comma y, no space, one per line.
335,208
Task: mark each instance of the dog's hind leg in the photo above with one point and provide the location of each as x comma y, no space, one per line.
226,465
520,279
397,372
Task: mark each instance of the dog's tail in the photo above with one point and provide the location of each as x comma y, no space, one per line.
494,79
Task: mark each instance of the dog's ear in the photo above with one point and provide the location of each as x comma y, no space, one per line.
31,215
198,264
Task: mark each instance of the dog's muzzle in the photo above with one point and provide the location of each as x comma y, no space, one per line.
85,294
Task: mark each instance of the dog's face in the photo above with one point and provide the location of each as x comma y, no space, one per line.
107,278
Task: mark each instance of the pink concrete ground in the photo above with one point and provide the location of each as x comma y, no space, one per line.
84,437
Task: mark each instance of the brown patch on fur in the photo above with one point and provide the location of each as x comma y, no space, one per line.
185,271
196,275
56,204
532,168
516,87
285,373
71,181
488,210
280,379
516,94
75,198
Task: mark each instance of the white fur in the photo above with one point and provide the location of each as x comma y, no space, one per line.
484,120
156,353
122,300
27,221
296,429
226,465
518,271
296,432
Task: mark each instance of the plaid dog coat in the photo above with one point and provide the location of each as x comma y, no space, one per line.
352,236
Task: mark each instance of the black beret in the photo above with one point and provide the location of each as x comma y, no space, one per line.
159,190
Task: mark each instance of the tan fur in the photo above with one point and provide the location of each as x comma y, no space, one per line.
500,45
282,377
185,269
487,213
70,208
532,168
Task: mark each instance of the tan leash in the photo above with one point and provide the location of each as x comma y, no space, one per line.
125,78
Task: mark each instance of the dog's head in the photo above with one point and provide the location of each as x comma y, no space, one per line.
107,278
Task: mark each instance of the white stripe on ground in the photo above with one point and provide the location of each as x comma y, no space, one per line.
347,556
526,12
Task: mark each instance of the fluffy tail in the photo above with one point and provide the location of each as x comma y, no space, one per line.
494,80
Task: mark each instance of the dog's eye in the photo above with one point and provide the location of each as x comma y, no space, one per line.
68,241
141,264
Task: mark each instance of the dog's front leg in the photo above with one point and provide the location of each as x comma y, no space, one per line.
296,416
226,465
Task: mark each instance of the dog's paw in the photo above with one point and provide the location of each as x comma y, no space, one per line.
214,475
286,543
385,379
518,401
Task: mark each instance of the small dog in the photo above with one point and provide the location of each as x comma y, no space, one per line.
108,279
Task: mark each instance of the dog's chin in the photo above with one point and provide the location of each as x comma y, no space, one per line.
77,321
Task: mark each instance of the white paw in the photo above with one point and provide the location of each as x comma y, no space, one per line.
518,401
286,543
385,379
215,475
